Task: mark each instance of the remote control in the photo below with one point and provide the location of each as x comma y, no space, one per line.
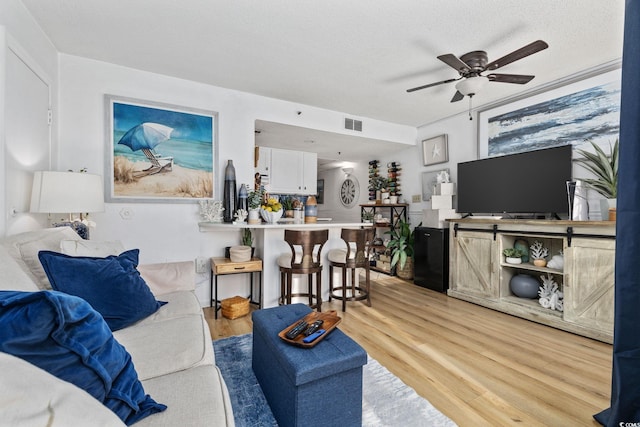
313,327
297,329
313,336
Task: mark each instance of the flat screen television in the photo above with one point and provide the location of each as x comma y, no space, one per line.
534,182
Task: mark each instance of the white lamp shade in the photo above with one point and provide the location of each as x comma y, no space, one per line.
471,85
66,192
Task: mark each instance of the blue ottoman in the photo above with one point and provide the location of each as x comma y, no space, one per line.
319,386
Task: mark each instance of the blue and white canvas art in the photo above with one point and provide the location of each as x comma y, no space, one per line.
160,152
570,115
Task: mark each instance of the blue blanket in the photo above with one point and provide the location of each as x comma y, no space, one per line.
66,337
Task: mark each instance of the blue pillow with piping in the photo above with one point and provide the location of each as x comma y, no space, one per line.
66,337
112,285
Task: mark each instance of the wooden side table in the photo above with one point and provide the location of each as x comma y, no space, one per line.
221,266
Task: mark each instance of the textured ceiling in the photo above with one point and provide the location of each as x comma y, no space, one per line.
356,56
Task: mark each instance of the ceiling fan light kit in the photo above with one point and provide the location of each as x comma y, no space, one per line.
471,65
471,85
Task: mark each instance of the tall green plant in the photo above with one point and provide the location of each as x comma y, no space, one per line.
604,167
401,243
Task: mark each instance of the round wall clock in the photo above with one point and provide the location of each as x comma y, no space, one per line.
349,192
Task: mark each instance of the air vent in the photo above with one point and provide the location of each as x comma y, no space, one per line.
353,124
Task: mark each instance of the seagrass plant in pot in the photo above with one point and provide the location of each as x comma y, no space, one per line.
401,247
605,168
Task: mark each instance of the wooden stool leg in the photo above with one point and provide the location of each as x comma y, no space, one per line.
368,285
289,286
319,289
330,280
344,288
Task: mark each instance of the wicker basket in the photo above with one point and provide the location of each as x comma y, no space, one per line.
234,307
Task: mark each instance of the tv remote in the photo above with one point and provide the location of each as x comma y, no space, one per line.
296,330
313,327
313,336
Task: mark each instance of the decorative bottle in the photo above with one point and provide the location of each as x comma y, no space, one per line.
230,195
242,198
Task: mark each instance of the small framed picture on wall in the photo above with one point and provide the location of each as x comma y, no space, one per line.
435,150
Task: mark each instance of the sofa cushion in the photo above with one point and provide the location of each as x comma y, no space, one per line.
32,396
165,346
199,396
24,248
112,285
66,337
92,248
167,277
12,277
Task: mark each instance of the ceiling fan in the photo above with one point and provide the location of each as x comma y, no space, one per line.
471,66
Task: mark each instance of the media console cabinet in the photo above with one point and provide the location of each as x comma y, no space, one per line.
479,273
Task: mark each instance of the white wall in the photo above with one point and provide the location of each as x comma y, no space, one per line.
169,231
462,137
20,35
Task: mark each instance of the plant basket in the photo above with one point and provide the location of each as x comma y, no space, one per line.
405,273
234,307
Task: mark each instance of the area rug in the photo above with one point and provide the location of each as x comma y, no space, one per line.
386,400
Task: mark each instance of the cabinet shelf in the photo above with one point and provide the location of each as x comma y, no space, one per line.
530,267
531,304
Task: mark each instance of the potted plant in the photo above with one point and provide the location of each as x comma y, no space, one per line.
254,201
605,168
513,255
401,247
379,184
247,239
539,254
287,205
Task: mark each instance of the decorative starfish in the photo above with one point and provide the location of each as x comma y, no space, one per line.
436,151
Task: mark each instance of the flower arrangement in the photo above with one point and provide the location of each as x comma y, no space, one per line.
272,205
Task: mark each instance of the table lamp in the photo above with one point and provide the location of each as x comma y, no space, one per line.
67,192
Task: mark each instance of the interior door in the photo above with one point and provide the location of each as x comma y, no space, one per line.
27,139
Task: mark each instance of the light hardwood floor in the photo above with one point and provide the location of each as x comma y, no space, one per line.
476,365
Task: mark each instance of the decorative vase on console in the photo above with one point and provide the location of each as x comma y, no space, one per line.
230,195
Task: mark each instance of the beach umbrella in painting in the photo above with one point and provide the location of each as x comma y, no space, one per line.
145,137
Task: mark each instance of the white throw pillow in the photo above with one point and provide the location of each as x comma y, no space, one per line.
91,248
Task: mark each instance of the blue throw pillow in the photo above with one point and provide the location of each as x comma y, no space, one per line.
66,337
112,285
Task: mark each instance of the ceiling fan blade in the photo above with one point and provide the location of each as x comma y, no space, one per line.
510,78
457,96
455,63
523,52
430,85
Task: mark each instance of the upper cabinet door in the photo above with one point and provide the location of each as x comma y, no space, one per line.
286,171
310,173
293,172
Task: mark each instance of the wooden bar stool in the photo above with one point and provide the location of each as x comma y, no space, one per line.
305,258
356,255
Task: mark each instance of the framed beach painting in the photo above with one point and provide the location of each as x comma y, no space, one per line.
586,110
158,152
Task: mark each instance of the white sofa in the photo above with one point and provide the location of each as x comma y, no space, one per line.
171,350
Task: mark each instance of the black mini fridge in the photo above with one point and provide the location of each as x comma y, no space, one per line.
431,258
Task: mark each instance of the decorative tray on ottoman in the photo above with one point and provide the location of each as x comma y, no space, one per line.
330,321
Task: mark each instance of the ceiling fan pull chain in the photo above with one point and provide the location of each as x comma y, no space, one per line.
470,117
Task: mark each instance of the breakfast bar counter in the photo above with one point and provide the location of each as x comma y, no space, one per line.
269,243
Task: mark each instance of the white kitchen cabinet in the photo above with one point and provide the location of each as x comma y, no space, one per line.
293,172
